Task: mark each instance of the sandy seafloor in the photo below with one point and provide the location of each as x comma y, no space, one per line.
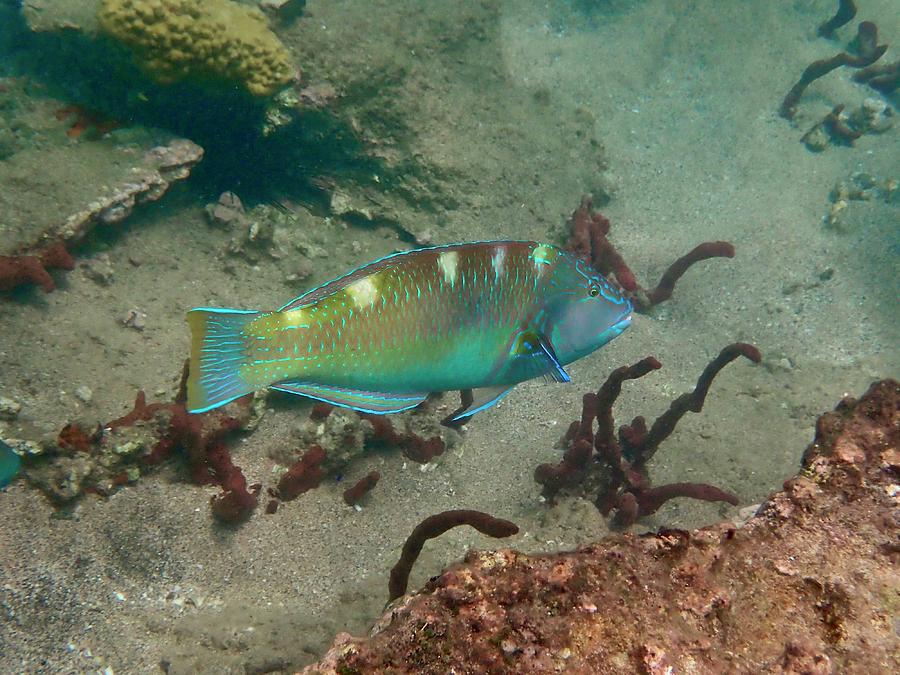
682,98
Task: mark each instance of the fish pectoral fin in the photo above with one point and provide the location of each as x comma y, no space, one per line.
374,402
482,399
537,346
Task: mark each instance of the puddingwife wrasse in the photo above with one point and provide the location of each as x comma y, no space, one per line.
482,316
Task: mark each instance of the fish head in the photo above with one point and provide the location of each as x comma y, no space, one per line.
587,312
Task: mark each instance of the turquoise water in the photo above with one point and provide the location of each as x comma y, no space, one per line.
410,125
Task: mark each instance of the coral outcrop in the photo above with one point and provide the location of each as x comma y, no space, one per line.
808,585
213,40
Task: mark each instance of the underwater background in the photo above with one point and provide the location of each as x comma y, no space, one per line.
301,140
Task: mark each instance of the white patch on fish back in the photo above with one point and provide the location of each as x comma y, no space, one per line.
295,318
541,256
363,291
448,261
497,261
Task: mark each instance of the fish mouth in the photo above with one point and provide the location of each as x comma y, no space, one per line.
624,319
619,327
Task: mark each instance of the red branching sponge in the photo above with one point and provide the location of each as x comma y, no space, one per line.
415,447
18,270
435,526
75,439
236,501
589,241
869,52
305,475
626,484
353,495
202,438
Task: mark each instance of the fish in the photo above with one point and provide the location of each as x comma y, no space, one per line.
482,315
10,463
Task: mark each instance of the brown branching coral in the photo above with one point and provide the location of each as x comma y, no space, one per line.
627,489
845,13
589,240
435,526
20,270
869,52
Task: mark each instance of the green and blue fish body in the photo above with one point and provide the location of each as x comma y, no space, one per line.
10,463
482,316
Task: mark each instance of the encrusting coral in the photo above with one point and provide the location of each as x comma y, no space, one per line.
178,40
807,585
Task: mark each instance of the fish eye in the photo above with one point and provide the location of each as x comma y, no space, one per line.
595,291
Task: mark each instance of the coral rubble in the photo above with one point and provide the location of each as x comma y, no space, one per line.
807,585
334,437
221,40
626,485
589,241
113,454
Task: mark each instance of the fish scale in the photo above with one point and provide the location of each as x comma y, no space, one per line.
480,315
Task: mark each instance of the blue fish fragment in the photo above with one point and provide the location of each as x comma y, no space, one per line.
10,463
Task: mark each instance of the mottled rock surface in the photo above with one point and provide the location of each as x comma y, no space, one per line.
808,585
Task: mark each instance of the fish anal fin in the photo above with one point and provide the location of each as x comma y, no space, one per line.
374,402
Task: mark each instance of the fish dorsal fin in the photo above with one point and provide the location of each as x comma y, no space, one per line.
535,345
482,399
388,261
377,403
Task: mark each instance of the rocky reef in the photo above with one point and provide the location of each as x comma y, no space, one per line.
807,585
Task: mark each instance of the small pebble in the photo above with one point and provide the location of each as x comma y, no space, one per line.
9,408
84,394
99,269
135,319
24,448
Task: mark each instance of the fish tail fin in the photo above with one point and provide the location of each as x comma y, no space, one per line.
218,350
